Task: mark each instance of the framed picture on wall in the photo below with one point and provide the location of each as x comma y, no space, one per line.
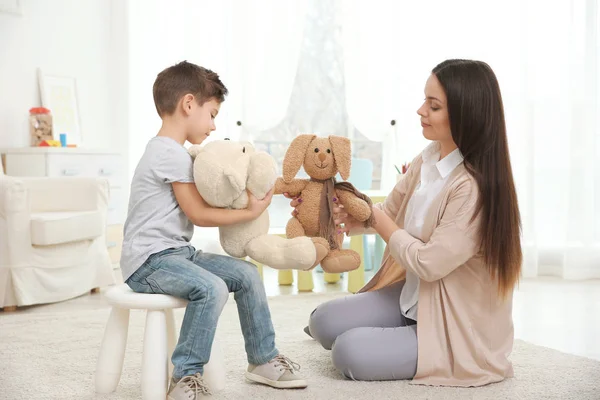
59,94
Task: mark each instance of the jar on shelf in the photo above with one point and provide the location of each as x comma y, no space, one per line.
40,125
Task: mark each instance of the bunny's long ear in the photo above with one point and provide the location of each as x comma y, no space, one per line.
294,156
342,154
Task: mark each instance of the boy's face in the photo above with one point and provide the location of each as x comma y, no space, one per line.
201,120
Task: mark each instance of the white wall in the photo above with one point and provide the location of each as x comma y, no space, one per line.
156,41
62,37
119,77
162,33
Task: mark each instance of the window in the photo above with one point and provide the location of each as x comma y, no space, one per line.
317,104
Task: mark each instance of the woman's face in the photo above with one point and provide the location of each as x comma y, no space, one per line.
434,112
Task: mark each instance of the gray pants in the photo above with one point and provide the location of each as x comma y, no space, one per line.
369,338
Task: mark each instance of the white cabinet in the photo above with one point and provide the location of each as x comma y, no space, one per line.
60,161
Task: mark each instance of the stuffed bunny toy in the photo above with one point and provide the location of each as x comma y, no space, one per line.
223,172
322,158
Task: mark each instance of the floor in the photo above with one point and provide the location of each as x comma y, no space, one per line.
563,315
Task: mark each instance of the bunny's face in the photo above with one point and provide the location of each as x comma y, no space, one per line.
321,157
319,161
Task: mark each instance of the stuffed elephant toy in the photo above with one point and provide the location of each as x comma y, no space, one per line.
224,172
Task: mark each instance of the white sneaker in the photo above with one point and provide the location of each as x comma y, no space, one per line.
280,372
190,387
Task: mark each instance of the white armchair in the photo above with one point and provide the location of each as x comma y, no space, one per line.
52,239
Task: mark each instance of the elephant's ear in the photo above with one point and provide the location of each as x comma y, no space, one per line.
262,174
248,147
236,175
236,179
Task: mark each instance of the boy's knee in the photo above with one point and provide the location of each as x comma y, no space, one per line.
249,274
220,291
215,290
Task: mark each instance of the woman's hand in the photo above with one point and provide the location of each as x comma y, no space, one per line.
344,222
256,206
339,215
294,203
384,225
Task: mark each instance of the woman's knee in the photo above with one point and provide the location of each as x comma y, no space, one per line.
347,356
373,354
248,276
323,325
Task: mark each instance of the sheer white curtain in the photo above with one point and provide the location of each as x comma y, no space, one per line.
390,47
265,48
545,56
371,59
254,46
561,185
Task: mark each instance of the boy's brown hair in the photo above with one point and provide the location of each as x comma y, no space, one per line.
180,79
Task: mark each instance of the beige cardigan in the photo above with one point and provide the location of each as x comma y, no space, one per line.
465,331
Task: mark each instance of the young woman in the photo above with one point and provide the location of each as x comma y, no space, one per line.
439,309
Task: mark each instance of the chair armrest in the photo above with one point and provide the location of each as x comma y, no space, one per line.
67,194
13,196
14,219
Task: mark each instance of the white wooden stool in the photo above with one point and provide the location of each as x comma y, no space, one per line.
160,338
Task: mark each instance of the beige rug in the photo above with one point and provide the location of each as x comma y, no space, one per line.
53,356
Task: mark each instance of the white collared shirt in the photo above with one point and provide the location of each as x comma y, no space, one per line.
434,174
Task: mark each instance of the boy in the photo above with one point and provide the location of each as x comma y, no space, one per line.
157,257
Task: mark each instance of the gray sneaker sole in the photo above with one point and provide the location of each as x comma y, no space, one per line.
296,384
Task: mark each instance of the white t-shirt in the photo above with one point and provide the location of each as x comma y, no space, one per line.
434,174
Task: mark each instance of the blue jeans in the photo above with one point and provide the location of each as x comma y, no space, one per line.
205,280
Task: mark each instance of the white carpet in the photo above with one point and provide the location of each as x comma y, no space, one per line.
53,356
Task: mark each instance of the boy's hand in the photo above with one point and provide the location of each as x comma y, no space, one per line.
256,206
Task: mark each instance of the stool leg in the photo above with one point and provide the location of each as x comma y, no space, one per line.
356,278
214,370
368,258
331,278
154,359
305,281
285,277
172,337
379,249
260,271
112,351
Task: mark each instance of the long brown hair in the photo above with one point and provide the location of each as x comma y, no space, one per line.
478,128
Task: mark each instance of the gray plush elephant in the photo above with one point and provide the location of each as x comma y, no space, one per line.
223,172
